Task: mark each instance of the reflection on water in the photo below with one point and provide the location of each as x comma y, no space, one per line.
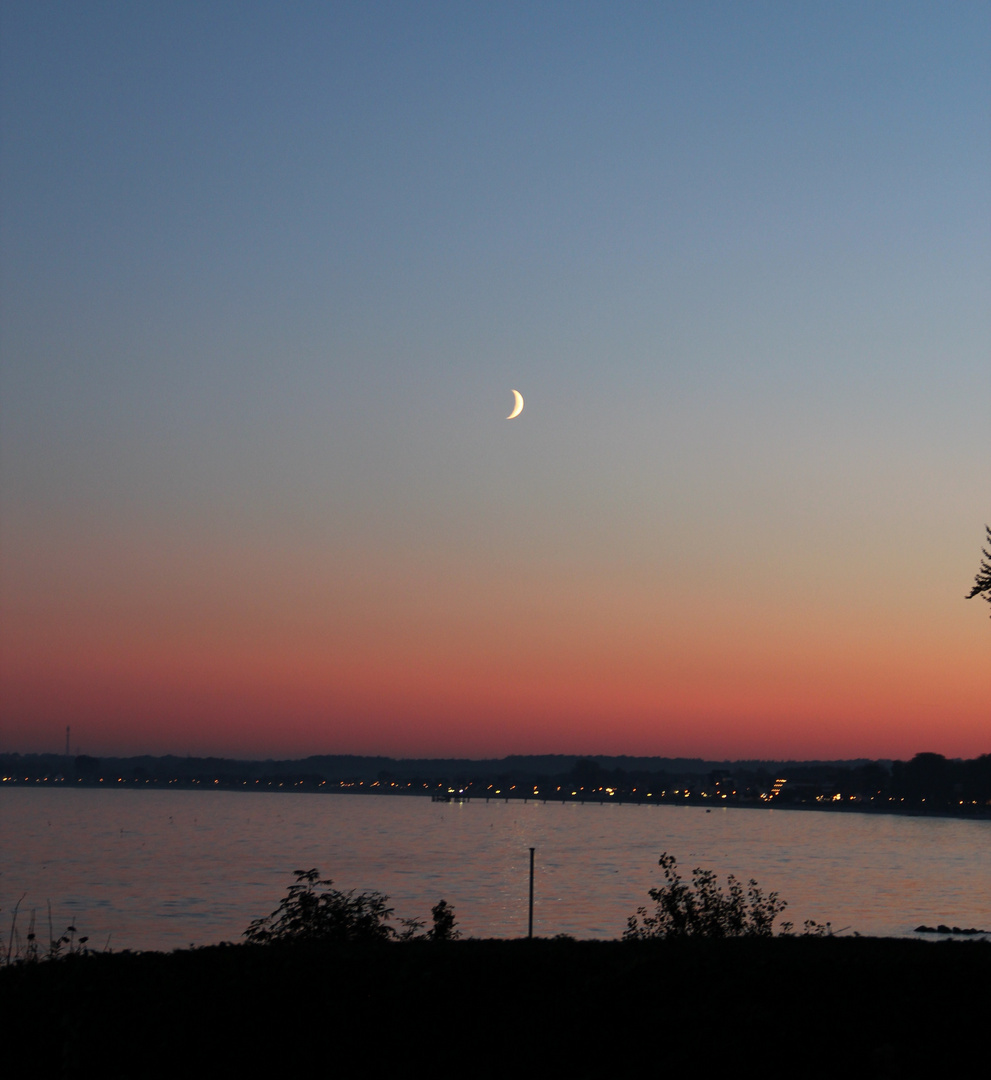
164,870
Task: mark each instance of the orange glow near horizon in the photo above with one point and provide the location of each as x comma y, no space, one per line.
151,642
719,695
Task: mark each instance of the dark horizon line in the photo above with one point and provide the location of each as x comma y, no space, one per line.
567,759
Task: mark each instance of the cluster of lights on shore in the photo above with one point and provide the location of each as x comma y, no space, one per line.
458,793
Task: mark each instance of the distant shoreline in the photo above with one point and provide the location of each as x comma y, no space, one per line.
929,784
966,812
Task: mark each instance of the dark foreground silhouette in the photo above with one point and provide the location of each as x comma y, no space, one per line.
801,1006
327,981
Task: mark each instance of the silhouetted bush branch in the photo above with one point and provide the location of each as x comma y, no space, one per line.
332,915
982,581
702,909
444,923
306,914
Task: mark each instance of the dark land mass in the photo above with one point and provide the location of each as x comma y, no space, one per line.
810,1007
929,783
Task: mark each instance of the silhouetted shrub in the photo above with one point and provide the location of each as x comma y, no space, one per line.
702,909
444,922
307,915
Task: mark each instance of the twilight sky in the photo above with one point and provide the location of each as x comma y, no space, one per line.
269,272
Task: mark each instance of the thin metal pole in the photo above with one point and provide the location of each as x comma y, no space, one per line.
530,931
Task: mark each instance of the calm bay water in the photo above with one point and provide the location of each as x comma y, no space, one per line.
166,869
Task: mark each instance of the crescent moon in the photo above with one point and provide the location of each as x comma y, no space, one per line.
518,407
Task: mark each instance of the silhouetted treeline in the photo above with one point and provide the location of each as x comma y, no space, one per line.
934,778
928,783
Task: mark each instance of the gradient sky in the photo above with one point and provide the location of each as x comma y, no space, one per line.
269,272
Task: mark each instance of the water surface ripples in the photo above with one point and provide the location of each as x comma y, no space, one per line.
166,869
